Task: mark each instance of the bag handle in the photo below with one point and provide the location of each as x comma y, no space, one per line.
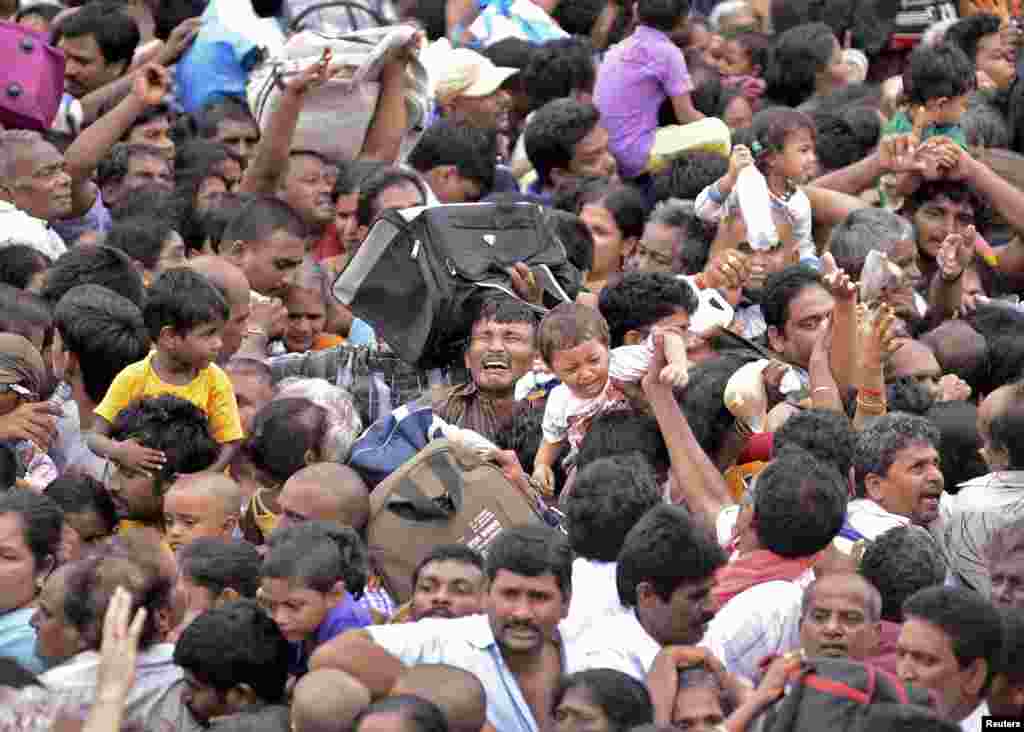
409,499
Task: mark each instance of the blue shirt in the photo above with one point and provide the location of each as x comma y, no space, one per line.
468,643
346,615
18,640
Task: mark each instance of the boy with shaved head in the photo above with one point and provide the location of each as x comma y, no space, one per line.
327,700
201,505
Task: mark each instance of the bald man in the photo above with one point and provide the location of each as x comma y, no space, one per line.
456,692
917,361
327,700
201,504
325,492
841,618
232,283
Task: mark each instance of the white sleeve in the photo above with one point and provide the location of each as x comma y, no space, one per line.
630,363
556,414
411,643
803,224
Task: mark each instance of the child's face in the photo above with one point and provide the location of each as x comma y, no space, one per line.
199,346
738,114
296,609
949,111
583,368
307,317
735,60
191,514
798,161
252,393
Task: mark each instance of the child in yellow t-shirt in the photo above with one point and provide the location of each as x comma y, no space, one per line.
185,315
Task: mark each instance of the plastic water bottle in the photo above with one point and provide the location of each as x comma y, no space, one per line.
26,449
756,206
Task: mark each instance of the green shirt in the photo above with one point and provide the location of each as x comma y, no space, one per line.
900,124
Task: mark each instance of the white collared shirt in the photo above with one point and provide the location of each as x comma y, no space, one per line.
468,643
595,596
18,227
619,642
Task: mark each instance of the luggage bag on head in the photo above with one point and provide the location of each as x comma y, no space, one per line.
434,499
417,275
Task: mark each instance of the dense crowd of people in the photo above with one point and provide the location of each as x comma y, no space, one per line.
763,458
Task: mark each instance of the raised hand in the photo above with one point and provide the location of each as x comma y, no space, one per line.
729,270
151,84
956,254
741,158
843,289
180,40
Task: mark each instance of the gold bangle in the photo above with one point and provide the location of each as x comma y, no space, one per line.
872,408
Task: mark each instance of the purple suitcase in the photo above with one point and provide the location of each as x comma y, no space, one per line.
31,78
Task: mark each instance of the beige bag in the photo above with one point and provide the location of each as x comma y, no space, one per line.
336,115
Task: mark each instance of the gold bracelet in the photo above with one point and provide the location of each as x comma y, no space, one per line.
872,408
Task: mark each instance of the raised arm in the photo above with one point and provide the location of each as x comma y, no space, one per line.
148,88
391,118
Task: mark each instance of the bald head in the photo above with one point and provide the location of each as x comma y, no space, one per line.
456,692
326,492
959,349
327,700
217,486
201,505
225,276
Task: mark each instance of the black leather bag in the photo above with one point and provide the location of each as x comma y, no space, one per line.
421,273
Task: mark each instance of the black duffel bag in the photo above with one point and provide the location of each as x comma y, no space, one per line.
419,276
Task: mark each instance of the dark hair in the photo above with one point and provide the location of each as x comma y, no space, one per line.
115,31
622,433
532,551
794,61
281,435
666,548
351,174
624,700
608,497
905,394
703,401
318,554
261,217
782,288
236,643
523,436
828,436
553,132
625,203
567,326
688,175
25,313
971,622
641,299
151,199
575,237
423,715
756,45
799,505
772,126
94,265
176,427
959,460
11,466
183,299
557,69
1011,656
210,115
210,225
141,239
41,522
220,564
663,15
879,442
378,182
16,676
861,231
46,11
449,553
836,146
151,113
1005,434
899,562
19,263
114,166
471,150
81,493
938,71
578,18
104,330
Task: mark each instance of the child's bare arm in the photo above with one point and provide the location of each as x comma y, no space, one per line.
128,453
543,463
677,372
